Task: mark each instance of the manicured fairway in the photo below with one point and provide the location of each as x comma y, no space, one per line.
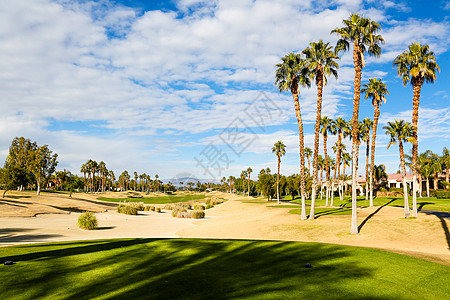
156,200
215,269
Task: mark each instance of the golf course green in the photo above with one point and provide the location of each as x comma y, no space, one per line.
215,269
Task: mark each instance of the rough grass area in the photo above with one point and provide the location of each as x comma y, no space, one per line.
215,269
156,200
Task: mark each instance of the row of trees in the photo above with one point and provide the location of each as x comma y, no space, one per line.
27,165
416,66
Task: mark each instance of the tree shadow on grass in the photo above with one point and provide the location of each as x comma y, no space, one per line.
181,269
331,211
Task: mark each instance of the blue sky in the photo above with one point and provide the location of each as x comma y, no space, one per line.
161,86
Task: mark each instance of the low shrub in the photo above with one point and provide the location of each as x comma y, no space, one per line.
208,206
199,207
168,207
198,214
147,208
87,220
208,201
158,209
126,208
443,194
183,214
152,208
178,209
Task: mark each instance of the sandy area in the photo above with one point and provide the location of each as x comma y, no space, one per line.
426,237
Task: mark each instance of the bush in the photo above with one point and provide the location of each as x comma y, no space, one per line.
198,214
178,209
443,194
199,207
127,208
158,209
168,207
87,220
147,208
208,206
152,208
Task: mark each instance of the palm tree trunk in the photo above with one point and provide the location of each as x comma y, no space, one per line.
327,177
367,166
294,90
316,140
372,155
356,96
278,180
428,187
405,189
415,120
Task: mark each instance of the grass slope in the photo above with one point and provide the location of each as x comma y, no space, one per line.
215,269
156,200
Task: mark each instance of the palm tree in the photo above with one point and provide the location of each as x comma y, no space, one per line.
321,61
326,127
379,172
401,131
362,32
308,153
337,148
279,149
243,177
436,168
445,159
157,182
376,90
341,126
249,171
290,75
424,161
104,172
346,159
368,124
416,66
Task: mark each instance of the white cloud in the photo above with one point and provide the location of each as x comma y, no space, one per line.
166,74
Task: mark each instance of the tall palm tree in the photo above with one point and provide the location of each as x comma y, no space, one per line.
308,153
340,125
279,149
243,177
376,90
249,171
368,124
290,75
326,127
416,65
401,131
321,62
346,159
362,32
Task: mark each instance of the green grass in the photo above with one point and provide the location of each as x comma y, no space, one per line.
318,212
426,203
215,269
422,203
156,200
